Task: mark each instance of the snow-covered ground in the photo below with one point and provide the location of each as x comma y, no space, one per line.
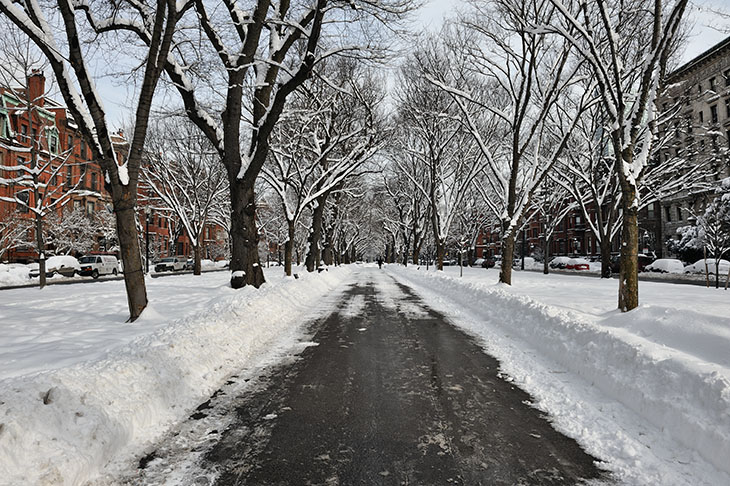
80,387
648,392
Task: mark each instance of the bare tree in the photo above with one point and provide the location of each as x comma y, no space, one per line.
521,104
62,46
261,55
13,232
327,134
627,45
430,136
184,177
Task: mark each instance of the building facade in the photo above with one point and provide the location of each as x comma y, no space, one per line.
699,97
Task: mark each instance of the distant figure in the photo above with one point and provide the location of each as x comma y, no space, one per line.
380,263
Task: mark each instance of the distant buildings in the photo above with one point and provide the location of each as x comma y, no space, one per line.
27,116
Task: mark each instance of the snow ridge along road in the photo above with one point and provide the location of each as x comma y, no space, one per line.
656,414
62,426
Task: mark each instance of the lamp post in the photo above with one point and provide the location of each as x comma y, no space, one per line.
147,212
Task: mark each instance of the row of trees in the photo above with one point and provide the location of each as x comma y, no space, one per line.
233,64
539,107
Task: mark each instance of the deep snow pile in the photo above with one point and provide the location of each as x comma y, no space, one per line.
648,392
109,388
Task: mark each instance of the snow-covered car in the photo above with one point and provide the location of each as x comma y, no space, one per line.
529,261
95,265
578,264
190,264
665,265
559,262
64,265
699,267
171,264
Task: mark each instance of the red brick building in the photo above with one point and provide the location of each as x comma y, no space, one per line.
27,115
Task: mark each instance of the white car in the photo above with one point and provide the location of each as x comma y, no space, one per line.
57,265
699,266
95,265
665,265
172,264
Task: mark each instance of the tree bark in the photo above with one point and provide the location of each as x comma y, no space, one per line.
315,234
440,250
628,293
508,251
245,266
197,250
546,256
288,247
606,257
124,205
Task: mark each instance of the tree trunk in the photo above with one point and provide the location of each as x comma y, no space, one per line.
288,247
606,256
197,250
440,249
416,251
628,290
40,245
130,252
546,256
245,267
315,234
508,252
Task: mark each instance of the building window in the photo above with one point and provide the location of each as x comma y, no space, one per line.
701,115
668,214
650,212
54,177
82,149
727,107
726,75
53,143
24,198
94,182
713,113
69,142
712,83
679,213
69,177
699,89
3,125
89,208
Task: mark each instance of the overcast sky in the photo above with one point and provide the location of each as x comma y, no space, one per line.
706,32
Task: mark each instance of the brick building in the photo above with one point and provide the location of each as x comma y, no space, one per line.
28,116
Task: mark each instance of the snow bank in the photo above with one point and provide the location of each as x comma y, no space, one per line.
62,426
669,366
14,274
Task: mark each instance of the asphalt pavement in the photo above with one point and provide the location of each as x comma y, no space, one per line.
392,394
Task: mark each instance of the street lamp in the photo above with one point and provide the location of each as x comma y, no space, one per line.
147,212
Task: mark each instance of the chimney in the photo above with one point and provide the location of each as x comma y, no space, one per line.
36,87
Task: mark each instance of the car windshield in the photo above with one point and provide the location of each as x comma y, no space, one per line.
87,259
167,260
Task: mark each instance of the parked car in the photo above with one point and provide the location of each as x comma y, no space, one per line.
95,265
643,261
699,266
171,264
578,264
559,262
665,265
189,264
489,262
64,265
